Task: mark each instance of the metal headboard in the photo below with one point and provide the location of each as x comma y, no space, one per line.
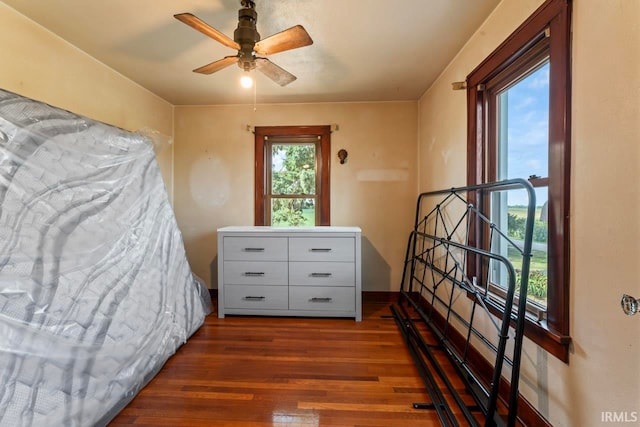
451,252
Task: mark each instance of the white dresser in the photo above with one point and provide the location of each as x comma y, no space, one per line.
290,271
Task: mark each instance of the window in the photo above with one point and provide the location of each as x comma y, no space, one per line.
292,175
519,127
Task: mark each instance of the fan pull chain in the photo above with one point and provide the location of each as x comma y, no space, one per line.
255,91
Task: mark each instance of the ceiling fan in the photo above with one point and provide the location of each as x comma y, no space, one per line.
246,41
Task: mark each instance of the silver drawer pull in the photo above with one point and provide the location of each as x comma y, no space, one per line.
320,274
317,299
253,249
320,249
254,273
249,298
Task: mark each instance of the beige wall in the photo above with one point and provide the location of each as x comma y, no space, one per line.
604,369
38,64
374,190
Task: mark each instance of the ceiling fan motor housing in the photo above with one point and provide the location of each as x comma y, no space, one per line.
246,35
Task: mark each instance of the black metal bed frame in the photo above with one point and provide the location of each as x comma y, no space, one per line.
445,286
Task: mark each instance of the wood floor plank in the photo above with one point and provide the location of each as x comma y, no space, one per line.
278,371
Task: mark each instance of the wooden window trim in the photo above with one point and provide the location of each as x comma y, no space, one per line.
555,15
323,165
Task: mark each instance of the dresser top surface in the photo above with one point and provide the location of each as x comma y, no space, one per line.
287,230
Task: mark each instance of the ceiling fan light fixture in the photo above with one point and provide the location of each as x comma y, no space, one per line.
246,81
247,42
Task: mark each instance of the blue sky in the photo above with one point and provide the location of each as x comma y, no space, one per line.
528,131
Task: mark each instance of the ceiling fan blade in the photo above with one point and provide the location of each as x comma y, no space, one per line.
217,65
275,73
206,29
291,38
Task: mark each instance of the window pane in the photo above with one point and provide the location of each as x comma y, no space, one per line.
293,169
537,290
523,127
523,151
293,212
510,212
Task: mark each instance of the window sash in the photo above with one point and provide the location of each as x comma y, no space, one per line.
269,166
496,163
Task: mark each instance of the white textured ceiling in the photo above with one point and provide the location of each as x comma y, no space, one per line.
364,50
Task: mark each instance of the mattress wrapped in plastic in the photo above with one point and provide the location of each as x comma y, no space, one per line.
95,289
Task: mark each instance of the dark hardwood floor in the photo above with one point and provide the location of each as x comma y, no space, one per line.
274,371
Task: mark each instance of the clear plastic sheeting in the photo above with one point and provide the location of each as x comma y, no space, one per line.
160,141
95,289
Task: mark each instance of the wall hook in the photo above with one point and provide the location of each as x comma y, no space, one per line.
629,304
342,155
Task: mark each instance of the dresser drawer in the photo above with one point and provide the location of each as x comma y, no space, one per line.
322,298
256,297
255,272
322,249
322,273
255,249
